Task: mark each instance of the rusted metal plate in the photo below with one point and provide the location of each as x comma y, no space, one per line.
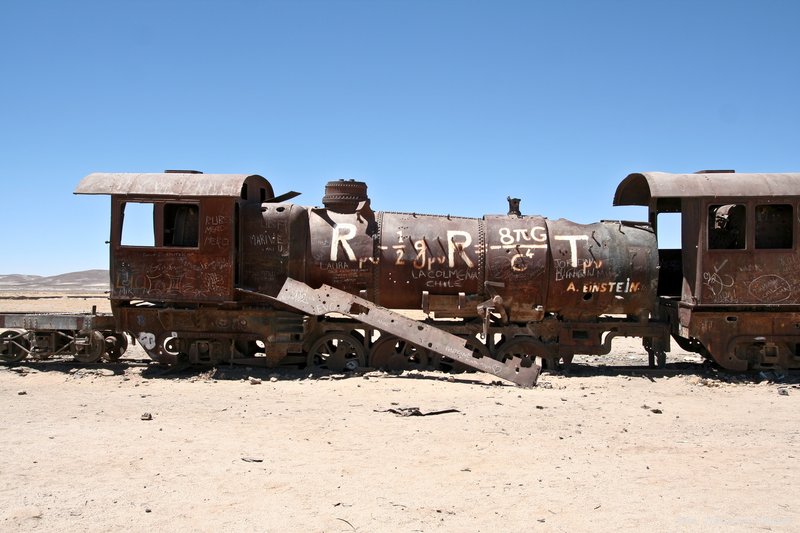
742,340
56,321
200,270
342,250
747,252
344,196
328,299
518,263
279,331
274,245
640,188
604,268
749,278
174,184
424,253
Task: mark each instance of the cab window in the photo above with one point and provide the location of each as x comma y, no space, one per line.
727,227
138,223
181,224
774,227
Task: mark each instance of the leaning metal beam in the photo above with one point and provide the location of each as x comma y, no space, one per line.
328,299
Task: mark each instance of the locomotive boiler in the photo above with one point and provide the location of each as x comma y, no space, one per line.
524,267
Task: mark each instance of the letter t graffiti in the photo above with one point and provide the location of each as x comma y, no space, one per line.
573,246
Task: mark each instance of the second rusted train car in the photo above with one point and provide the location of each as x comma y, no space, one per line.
732,290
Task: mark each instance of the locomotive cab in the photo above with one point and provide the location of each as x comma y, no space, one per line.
175,236
178,261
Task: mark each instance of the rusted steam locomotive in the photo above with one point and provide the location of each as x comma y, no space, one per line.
210,269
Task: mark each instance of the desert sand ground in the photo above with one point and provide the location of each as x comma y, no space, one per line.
605,448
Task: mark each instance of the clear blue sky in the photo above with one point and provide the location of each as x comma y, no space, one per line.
440,106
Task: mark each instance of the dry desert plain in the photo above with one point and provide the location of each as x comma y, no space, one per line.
605,448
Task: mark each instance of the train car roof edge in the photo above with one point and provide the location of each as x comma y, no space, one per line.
641,187
165,184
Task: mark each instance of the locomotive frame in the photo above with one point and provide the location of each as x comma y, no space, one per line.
227,272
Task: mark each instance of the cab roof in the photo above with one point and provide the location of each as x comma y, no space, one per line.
642,187
170,184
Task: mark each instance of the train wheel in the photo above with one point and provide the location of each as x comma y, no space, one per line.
527,348
248,348
14,346
116,344
91,348
336,351
393,353
161,348
446,364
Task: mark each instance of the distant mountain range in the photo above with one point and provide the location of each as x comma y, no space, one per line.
88,280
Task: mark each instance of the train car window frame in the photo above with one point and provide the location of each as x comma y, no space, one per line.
726,226
137,224
171,225
669,230
777,233
181,225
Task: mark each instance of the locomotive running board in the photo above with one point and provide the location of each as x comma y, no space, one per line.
328,299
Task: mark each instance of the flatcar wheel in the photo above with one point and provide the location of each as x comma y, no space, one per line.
116,344
92,349
394,353
336,351
526,348
14,346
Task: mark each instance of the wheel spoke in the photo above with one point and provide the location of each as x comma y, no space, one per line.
14,346
393,353
337,352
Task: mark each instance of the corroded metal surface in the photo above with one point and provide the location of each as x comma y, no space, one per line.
518,263
274,245
344,196
172,184
56,321
202,270
604,268
733,293
341,250
640,188
327,299
441,256
85,336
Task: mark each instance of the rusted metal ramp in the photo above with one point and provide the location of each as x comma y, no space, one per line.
328,299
